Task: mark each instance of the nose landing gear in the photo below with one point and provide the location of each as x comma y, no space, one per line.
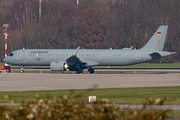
22,69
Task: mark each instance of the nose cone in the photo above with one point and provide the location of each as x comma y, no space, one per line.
5,59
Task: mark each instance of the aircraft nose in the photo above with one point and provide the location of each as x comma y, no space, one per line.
5,60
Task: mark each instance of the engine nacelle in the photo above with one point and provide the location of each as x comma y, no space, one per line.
58,65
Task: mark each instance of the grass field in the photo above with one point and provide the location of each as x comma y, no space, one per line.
119,95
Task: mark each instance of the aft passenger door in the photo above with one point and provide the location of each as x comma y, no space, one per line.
138,55
101,56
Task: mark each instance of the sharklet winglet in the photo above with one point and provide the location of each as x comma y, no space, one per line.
76,51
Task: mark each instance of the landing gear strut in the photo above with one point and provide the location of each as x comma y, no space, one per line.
22,69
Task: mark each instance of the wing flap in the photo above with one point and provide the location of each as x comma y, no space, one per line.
90,63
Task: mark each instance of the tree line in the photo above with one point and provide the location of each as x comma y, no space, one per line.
90,24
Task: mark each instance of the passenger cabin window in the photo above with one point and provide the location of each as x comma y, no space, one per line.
11,54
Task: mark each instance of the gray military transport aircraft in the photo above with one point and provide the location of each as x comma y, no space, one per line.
79,59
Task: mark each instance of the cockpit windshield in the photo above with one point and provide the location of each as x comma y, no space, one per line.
11,54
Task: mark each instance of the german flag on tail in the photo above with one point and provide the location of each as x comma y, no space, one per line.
158,33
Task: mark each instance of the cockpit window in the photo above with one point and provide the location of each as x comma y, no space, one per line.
11,54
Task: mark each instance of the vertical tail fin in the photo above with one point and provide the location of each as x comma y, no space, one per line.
157,40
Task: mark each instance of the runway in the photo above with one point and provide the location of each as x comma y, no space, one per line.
110,69
50,81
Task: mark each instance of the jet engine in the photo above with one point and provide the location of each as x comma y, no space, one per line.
58,65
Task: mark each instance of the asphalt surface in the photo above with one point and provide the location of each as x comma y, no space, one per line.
50,81
111,69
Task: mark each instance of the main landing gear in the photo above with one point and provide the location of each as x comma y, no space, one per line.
79,71
90,70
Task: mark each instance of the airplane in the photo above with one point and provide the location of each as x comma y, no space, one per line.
80,59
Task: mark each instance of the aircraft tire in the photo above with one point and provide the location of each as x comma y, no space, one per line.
91,70
79,71
8,70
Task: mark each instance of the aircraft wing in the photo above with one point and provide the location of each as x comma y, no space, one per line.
73,60
90,63
74,63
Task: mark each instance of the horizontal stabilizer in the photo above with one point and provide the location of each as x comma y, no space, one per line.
90,63
155,56
172,53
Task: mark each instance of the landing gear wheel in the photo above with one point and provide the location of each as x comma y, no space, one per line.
22,69
8,70
79,71
91,70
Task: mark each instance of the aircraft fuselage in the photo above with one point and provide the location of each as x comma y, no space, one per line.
79,59
114,57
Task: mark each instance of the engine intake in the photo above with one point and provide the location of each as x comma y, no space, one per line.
58,65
